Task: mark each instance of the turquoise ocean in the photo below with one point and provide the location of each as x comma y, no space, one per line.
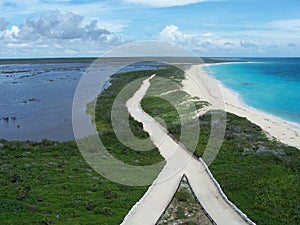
271,85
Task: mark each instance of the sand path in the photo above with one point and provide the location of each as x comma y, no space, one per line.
179,161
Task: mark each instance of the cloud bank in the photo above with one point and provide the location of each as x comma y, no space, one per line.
66,33
232,43
166,3
57,34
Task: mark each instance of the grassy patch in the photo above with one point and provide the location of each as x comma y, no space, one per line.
50,183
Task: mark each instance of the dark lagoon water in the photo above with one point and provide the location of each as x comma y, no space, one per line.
36,96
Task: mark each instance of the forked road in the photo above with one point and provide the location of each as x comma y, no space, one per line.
179,161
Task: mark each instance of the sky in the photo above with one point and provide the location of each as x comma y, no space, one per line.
85,28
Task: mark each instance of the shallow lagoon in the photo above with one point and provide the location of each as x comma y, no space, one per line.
36,98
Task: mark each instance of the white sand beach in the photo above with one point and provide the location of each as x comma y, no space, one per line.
274,127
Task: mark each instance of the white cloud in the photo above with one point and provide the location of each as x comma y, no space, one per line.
17,10
58,26
8,35
165,3
171,33
62,33
115,26
208,34
248,44
292,25
13,45
230,43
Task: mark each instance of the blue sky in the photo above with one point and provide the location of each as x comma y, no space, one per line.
56,28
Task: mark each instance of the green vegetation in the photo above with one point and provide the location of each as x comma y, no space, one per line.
104,125
50,182
259,175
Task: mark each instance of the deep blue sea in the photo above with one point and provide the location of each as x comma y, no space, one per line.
271,85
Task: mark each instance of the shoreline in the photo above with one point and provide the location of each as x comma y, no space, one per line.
236,94
275,127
